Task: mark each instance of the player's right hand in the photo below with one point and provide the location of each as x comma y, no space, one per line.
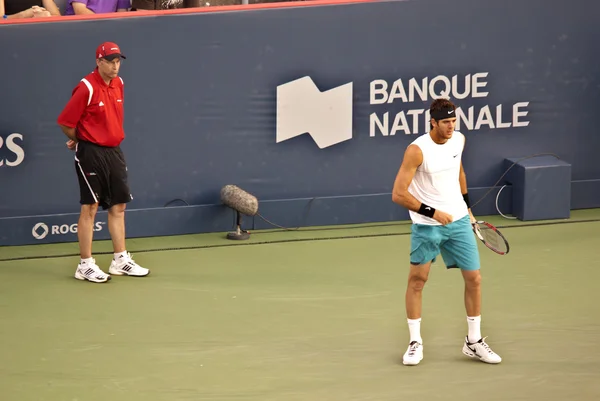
442,218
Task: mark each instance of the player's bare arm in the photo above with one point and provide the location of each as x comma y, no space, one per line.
413,157
69,132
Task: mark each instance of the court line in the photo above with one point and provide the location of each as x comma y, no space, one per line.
286,240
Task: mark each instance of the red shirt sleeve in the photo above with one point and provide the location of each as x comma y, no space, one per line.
122,89
75,107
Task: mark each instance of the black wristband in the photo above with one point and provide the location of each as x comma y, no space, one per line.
467,201
426,210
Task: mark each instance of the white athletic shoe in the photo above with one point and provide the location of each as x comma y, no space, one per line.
480,350
414,354
91,272
126,266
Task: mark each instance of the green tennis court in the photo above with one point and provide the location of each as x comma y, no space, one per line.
313,315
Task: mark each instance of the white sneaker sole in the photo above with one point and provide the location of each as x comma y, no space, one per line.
80,276
468,352
411,363
120,273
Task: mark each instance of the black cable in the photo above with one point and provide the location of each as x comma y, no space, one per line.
508,169
306,210
175,200
340,227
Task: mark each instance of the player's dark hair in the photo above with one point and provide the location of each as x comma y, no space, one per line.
440,105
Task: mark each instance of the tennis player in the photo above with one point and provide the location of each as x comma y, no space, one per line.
93,121
432,185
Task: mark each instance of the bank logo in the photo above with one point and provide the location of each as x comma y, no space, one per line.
303,109
395,108
40,231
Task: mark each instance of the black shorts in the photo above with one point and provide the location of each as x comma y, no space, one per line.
102,174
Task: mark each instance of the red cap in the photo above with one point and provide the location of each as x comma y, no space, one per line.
109,51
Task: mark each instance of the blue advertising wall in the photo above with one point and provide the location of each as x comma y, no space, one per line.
222,98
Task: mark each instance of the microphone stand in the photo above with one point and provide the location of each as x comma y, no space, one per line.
238,234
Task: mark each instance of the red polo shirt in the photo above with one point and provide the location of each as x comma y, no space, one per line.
96,110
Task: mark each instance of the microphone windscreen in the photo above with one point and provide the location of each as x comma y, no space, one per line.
240,200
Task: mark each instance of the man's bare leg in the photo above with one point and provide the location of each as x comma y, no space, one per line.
85,230
417,277
87,268
475,346
473,303
122,263
116,227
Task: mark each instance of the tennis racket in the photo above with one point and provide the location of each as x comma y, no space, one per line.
491,237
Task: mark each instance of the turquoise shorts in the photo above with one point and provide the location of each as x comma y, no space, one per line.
455,241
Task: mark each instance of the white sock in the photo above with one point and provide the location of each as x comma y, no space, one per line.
118,255
474,328
414,327
86,261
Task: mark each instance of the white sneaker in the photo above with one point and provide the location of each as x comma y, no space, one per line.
480,350
91,272
126,266
414,354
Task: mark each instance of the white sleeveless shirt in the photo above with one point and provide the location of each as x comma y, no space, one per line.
436,180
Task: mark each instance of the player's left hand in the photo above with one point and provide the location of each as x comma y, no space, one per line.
71,144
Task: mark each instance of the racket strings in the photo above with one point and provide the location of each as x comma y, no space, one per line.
492,238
